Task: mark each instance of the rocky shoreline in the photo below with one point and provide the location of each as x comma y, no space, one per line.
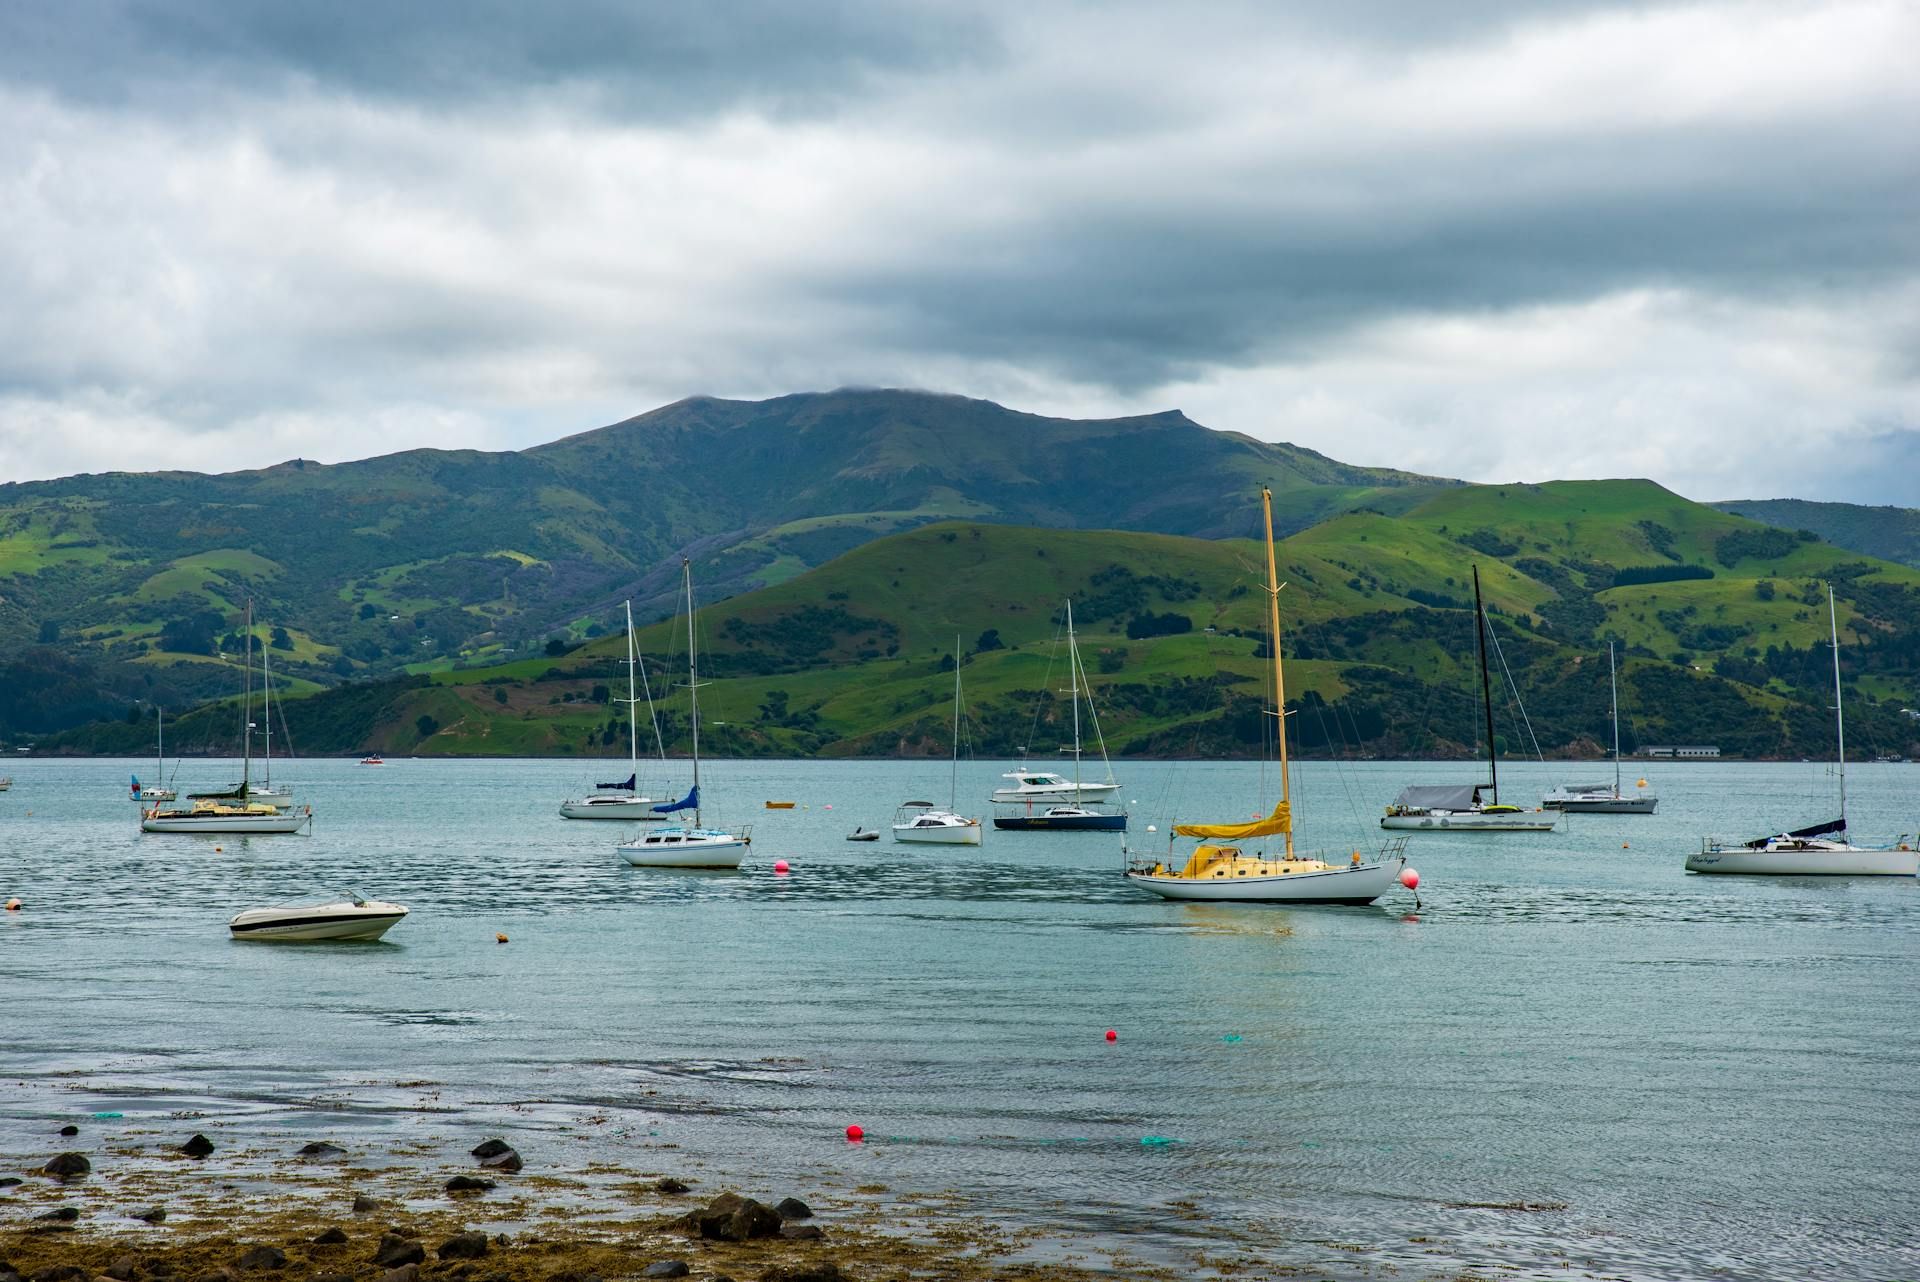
183,1211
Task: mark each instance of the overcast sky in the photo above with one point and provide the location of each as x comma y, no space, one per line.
1489,239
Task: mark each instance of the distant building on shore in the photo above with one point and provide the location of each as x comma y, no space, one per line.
1687,751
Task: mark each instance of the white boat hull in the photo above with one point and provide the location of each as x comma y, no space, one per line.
1605,806
1465,821
1841,862
1066,793
624,808
284,821
943,835
367,920
675,848
1352,884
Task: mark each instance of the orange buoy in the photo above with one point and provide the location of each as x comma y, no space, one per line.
13,905
500,939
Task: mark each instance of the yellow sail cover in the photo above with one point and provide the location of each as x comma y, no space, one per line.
1281,820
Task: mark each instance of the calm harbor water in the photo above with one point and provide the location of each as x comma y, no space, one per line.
1683,1077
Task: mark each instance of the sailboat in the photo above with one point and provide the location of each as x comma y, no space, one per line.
1219,868
233,811
1070,815
1598,798
622,800
681,845
280,798
1817,850
922,822
155,791
1462,807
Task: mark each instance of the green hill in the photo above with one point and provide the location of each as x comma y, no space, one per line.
428,559
1721,622
1890,533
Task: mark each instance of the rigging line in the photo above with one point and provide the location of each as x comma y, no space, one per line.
653,715
1514,689
1046,685
1340,767
1083,682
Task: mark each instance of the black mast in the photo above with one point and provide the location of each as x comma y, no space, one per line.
1486,688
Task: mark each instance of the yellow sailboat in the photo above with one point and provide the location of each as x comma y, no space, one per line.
1221,867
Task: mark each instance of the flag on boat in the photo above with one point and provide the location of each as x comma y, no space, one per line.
628,786
136,782
689,802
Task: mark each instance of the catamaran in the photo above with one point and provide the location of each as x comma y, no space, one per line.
1599,798
682,845
922,822
1072,816
1818,850
623,800
1463,807
1219,868
234,811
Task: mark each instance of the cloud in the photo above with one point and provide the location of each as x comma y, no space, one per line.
1486,239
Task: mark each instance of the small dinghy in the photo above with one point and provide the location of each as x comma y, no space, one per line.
347,919
863,834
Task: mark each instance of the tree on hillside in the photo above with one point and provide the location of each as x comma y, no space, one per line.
280,640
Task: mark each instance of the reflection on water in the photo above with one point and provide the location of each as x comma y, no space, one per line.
1574,1059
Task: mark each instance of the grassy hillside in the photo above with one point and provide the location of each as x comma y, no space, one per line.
429,559
1721,624
1889,533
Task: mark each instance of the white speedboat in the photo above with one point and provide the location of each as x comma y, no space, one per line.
924,823
348,919
1044,785
1219,869
622,801
1819,850
688,845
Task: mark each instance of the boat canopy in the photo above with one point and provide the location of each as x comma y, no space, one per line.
1816,830
1439,797
629,786
1281,820
689,802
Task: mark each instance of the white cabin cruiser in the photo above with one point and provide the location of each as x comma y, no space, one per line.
348,919
1044,785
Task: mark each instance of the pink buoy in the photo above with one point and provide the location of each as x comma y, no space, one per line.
1410,879
1112,1036
780,866
856,1134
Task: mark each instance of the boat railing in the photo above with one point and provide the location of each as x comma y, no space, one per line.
1393,848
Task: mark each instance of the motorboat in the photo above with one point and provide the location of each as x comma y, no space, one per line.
1222,869
1045,785
372,761
923,823
1462,807
348,919
1600,798
688,845
623,800
864,834
1818,850
1063,819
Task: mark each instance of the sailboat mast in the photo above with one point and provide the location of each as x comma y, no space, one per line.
1486,686
1073,673
633,707
246,711
953,778
1839,715
693,688
1613,689
1279,673
266,718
